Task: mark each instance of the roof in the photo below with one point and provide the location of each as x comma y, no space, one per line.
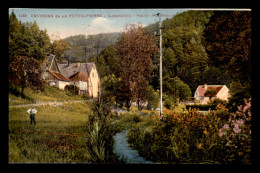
59,76
79,76
74,68
202,90
48,63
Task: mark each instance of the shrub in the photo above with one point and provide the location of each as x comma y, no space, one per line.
152,98
71,90
169,102
194,137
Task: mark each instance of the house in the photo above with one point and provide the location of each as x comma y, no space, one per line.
217,91
52,74
83,75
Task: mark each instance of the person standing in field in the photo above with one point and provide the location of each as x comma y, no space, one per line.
32,113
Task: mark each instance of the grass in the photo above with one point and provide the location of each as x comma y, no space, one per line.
59,135
50,93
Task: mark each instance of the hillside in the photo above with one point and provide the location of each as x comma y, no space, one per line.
83,47
49,94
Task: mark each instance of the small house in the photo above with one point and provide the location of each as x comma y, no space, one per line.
52,74
83,75
206,93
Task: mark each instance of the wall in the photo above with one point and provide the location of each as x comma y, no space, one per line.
94,79
223,93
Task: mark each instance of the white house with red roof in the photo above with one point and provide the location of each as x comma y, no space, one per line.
201,94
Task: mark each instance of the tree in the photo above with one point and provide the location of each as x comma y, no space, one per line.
110,85
152,98
134,50
27,39
210,92
228,43
59,47
25,72
176,88
184,50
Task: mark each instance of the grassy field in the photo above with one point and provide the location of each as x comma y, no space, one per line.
58,136
49,94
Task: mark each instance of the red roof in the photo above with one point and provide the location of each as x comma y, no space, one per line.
59,76
202,90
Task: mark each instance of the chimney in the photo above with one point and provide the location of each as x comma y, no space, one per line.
78,65
68,62
205,86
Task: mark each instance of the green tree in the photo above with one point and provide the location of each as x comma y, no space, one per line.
134,51
109,87
184,50
152,98
27,39
176,88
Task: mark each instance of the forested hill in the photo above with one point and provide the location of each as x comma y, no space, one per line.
199,47
83,47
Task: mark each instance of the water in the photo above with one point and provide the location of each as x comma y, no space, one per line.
122,149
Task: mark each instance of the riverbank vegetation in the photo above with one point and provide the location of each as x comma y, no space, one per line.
216,137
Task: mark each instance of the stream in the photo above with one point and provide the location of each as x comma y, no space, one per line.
122,149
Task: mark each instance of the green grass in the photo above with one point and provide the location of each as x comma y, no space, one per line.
50,93
59,135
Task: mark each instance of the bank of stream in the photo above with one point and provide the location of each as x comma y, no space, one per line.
123,150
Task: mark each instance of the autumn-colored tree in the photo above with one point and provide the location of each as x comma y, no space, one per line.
25,71
228,36
228,45
59,47
134,50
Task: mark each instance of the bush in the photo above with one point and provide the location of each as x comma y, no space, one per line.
194,137
152,98
71,90
169,102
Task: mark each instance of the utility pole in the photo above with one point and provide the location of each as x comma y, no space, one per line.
160,33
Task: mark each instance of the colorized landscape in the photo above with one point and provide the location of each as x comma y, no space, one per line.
93,78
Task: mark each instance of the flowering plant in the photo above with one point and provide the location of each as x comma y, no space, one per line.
237,133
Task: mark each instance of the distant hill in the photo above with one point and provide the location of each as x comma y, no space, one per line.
83,47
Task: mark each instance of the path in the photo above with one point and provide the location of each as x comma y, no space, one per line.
49,103
122,149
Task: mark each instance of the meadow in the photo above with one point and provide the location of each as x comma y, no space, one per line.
58,136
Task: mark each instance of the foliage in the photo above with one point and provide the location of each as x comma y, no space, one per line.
71,90
110,86
194,137
211,105
238,93
99,135
84,47
59,47
169,102
209,92
27,39
228,36
25,72
176,88
184,51
135,65
152,98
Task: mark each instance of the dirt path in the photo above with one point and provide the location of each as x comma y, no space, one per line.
55,103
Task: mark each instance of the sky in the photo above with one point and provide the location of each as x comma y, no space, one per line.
62,23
